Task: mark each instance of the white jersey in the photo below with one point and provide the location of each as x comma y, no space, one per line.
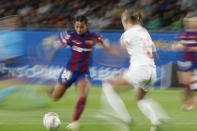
139,46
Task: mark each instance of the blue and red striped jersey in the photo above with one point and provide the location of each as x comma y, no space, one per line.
189,39
81,49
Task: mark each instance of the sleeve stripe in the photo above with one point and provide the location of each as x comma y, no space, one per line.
64,34
61,41
63,38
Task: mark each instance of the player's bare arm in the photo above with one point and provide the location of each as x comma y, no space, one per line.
173,46
51,45
109,48
193,49
51,42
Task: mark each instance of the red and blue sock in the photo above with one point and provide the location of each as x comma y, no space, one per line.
79,108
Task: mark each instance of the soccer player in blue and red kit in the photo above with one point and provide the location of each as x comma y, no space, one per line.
188,62
81,42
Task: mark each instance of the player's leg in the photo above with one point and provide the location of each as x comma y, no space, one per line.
82,88
185,80
140,94
58,91
148,107
153,111
65,80
83,84
185,74
113,99
193,87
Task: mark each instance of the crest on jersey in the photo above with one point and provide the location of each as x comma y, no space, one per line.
89,42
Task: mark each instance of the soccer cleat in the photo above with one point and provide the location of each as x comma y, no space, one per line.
73,126
154,128
188,107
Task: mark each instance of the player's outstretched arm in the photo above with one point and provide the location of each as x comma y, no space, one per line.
177,46
106,45
51,42
51,46
193,49
173,46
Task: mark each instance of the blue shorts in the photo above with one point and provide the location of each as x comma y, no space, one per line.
186,66
67,77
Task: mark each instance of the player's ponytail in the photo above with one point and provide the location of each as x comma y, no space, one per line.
136,17
139,16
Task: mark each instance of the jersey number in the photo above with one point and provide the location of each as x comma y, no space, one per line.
66,74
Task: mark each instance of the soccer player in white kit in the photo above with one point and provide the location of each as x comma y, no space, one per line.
141,73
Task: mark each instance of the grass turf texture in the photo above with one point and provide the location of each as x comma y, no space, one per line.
27,117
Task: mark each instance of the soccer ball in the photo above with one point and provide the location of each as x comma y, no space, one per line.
51,121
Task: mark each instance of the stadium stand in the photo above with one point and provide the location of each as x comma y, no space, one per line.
103,14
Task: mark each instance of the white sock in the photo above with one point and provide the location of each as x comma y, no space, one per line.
115,102
152,111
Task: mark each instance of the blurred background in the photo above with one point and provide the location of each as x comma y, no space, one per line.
25,24
25,61
102,14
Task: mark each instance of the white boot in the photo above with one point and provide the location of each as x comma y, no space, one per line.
73,126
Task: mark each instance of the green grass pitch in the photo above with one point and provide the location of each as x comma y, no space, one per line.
24,110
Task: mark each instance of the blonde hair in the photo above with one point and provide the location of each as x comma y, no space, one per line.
136,17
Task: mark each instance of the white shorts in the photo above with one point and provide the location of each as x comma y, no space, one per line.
140,77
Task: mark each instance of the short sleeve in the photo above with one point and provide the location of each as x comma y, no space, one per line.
126,37
123,39
65,38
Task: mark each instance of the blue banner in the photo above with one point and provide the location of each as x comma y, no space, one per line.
12,44
36,67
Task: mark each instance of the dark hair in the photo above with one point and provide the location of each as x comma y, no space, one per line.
81,18
136,16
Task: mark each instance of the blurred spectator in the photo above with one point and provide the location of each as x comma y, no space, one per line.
103,14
